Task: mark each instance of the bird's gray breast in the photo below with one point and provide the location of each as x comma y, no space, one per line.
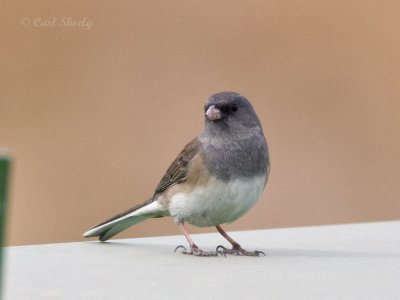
240,158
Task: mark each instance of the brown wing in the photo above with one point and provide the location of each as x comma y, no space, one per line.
178,170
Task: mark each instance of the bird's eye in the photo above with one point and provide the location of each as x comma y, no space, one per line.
235,107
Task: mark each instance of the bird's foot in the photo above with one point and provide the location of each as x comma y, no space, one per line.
237,250
194,250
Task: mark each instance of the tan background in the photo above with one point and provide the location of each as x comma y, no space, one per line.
95,116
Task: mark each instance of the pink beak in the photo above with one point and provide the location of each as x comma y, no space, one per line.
213,113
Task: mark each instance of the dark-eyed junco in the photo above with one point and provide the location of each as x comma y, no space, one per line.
215,179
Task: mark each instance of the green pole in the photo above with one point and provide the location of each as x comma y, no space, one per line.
4,174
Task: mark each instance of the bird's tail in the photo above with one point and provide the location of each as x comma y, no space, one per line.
128,218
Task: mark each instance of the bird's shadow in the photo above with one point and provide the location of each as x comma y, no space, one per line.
272,252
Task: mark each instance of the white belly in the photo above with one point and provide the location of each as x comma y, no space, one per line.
218,202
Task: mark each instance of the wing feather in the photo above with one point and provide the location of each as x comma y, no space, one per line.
178,170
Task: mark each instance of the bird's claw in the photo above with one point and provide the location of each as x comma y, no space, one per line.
180,246
223,251
238,251
194,250
257,252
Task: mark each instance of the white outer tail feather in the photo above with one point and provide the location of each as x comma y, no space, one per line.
108,230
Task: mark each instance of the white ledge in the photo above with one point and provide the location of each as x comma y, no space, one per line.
355,261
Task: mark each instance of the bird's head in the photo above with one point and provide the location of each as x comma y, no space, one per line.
230,110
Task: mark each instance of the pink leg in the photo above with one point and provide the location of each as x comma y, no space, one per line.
186,234
193,248
236,249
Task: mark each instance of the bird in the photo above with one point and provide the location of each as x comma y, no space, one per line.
214,180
